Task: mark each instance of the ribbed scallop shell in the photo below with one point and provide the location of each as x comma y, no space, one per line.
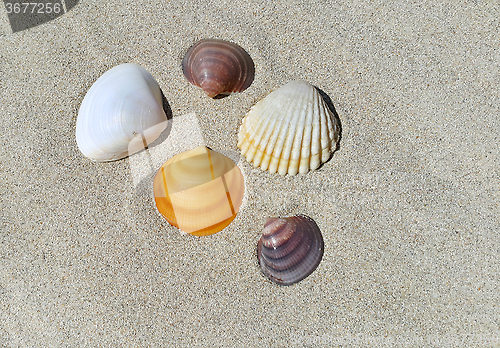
290,249
218,67
291,131
121,112
199,191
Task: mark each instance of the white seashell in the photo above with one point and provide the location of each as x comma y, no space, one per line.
120,114
291,131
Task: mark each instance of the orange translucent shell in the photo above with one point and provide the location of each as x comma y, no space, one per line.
199,191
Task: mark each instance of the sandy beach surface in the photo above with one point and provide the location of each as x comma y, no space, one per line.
408,205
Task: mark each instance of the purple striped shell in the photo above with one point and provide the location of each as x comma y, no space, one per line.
290,249
218,67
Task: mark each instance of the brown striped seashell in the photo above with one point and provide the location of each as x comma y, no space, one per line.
199,191
290,249
219,67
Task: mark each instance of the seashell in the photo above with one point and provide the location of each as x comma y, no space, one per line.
290,249
199,191
121,113
218,67
291,131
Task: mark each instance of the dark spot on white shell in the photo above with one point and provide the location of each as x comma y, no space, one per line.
290,249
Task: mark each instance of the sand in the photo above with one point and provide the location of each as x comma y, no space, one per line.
408,205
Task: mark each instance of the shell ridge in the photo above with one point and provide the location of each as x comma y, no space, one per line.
317,135
262,138
261,131
324,131
265,144
304,165
294,123
295,148
299,121
282,136
252,124
266,130
278,125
